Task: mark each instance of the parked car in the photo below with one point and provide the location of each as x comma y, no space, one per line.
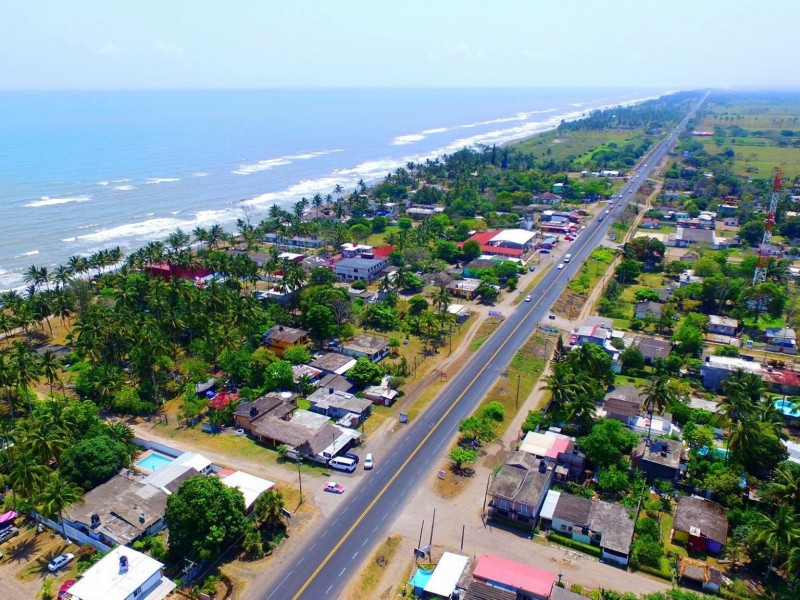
334,488
64,589
531,269
352,457
369,461
60,561
527,298
573,339
8,533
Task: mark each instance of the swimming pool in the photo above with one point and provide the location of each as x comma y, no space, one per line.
787,408
153,462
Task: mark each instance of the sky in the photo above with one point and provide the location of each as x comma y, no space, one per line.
175,44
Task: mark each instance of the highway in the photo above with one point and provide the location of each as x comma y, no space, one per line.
326,563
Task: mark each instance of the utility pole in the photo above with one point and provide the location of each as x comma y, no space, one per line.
516,400
300,479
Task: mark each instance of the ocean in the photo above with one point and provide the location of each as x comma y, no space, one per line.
83,171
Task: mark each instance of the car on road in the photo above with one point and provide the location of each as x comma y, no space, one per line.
532,269
560,266
608,212
527,298
352,457
64,589
332,487
369,461
8,533
60,561
573,339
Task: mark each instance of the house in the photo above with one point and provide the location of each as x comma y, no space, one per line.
460,312
294,242
722,325
337,382
659,459
518,490
474,267
781,381
653,348
367,346
464,288
307,435
364,269
510,243
528,583
730,221
604,524
685,237
251,486
717,369
701,524
782,337
648,308
696,572
555,448
648,223
123,574
547,198
478,590
119,511
445,577
339,405
276,404
280,338
357,251
381,394
333,362
623,404
305,371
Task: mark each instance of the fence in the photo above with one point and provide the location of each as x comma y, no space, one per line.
157,447
74,534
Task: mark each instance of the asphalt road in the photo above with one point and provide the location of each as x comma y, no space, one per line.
325,564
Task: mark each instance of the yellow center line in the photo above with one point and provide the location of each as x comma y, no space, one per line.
424,440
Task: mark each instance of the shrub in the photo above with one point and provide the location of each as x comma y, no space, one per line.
493,411
570,543
660,572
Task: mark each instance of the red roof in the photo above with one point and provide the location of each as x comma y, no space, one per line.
383,251
789,378
483,237
515,575
222,400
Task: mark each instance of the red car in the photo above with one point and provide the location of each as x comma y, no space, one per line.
63,591
569,238
334,488
573,338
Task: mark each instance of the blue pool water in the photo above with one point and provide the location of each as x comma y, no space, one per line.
153,462
787,408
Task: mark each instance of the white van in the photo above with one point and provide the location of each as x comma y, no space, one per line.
340,463
567,258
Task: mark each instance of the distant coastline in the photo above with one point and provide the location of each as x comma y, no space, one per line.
82,188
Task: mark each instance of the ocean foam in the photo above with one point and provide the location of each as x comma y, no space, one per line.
157,228
435,130
102,183
70,239
47,201
155,180
200,174
402,140
271,163
24,254
124,188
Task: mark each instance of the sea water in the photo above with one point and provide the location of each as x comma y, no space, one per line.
84,171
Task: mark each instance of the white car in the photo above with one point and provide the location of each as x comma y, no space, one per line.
369,461
527,298
560,266
60,561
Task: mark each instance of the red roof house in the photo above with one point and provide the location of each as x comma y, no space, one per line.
222,400
523,579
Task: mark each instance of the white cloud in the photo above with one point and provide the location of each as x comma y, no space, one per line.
168,50
109,49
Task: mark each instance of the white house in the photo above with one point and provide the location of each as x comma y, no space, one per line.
123,574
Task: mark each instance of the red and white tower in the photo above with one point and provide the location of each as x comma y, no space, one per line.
760,275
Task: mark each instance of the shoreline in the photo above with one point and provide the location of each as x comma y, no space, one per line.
372,171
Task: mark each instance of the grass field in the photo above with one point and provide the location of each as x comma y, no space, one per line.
564,145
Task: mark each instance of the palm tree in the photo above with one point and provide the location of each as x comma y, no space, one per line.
657,396
26,475
58,494
48,443
8,378
563,385
25,366
785,486
779,533
50,366
581,409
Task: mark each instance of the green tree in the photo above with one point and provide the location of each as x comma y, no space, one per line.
752,232
608,443
632,358
779,533
268,510
461,456
447,251
205,516
627,271
237,364
365,373
58,494
297,355
471,250
321,323
613,480
784,489
94,460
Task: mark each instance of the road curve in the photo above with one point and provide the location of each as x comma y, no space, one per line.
324,565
